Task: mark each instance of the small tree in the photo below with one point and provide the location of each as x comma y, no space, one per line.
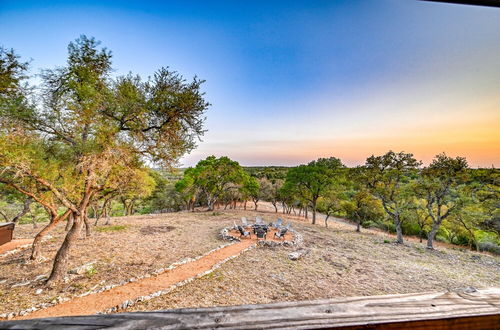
314,179
437,187
362,207
387,177
212,177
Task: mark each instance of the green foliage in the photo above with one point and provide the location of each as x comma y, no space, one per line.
105,229
91,271
213,177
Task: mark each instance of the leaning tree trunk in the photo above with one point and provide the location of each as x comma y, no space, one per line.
26,209
275,207
37,242
326,219
358,226
61,260
256,204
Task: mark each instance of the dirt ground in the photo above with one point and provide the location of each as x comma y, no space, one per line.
146,244
340,262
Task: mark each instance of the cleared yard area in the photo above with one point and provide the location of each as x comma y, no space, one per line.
129,247
339,262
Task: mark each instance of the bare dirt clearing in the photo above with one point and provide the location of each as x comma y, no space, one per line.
340,263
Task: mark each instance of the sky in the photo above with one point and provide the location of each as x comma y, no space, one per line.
292,81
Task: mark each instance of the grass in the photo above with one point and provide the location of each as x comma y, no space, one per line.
104,229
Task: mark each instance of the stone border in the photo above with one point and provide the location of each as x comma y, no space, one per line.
59,300
23,247
129,303
297,240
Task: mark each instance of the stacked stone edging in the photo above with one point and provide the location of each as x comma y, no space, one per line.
59,300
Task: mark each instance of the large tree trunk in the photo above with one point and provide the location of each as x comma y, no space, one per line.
256,204
275,207
306,213
61,260
399,230
69,223
358,226
432,235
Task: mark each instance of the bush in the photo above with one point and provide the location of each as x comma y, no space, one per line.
410,228
489,247
369,224
103,229
441,238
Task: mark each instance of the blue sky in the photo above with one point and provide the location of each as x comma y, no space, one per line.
293,81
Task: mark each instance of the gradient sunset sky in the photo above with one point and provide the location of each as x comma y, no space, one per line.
291,81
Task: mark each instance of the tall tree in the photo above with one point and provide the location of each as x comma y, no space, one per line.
387,177
438,187
95,126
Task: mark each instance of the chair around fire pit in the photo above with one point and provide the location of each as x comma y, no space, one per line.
243,232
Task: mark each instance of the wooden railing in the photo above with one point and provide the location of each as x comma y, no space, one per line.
464,309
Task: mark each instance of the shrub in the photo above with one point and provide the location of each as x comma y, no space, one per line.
103,229
489,247
410,228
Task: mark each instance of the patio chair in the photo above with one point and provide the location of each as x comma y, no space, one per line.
244,222
278,223
235,225
281,233
260,232
243,232
259,221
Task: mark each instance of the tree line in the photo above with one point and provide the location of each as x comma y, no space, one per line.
392,191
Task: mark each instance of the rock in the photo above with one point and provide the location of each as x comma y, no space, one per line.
296,255
39,291
20,284
40,277
83,268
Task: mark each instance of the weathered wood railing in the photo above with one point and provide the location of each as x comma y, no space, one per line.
464,309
